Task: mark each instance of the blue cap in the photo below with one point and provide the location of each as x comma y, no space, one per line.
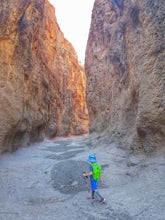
92,158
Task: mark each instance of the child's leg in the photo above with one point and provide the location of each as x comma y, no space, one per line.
93,194
100,197
94,185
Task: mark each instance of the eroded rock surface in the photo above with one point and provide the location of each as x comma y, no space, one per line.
42,84
126,73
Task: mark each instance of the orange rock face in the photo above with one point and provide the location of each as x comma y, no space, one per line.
42,84
125,60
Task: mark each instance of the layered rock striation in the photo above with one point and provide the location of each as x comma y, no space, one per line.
42,83
125,68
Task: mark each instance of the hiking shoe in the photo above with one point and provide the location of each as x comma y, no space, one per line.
102,200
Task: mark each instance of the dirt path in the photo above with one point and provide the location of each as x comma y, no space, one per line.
44,182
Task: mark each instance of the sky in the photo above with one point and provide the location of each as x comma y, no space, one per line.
74,18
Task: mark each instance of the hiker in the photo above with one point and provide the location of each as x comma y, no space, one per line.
95,175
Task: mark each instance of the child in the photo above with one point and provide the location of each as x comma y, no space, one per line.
95,174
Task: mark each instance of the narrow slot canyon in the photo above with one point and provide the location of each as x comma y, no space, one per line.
55,112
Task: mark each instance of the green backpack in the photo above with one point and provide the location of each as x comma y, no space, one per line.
96,171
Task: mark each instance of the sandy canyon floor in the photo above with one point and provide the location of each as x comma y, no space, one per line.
44,182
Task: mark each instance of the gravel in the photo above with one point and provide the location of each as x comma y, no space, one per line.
41,182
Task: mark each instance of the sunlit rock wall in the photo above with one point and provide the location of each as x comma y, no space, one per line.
125,68
42,84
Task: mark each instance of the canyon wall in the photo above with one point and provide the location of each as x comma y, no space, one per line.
42,83
125,68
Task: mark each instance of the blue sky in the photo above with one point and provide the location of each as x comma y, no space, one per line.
74,18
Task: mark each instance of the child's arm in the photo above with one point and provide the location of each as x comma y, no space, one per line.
87,174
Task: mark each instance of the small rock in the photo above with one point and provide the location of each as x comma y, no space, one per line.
74,183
